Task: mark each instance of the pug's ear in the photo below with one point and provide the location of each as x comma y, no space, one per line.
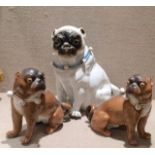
128,82
152,83
82,31
17,74
54,33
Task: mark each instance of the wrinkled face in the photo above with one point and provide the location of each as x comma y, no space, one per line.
67,41
138,85
29,81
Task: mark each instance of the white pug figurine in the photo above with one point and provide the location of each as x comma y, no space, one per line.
80,80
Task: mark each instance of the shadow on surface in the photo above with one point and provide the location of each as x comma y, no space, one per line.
120,134
38,134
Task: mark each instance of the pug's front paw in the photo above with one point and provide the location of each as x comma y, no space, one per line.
11,134
25,140
76,114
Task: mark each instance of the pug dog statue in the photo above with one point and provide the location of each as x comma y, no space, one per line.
30,100
80,80
132,111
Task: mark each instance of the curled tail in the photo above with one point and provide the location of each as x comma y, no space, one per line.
117,91
66,106
90,111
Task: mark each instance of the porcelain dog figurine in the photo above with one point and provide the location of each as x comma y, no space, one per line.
32,101
79,78
131,111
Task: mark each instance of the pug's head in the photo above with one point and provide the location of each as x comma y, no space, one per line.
140,86
68,41
28,82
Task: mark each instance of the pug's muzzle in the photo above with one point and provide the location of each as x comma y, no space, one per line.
67,49
38,84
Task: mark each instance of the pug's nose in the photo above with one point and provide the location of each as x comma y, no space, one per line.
134,85
66,46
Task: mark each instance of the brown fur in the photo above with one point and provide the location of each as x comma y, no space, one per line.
120,111
49,107
1,75
1,78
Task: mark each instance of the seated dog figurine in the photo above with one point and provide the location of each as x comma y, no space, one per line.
131,111
32,101
80,80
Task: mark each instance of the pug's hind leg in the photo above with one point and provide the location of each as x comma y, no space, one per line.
55,121
17,123
99,123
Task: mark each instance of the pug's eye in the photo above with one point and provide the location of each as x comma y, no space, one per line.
29,80
142,84
57,42
76,41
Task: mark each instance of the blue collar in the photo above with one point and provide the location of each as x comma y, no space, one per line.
65,67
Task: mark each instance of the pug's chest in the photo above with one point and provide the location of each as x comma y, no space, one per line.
76,81
18,104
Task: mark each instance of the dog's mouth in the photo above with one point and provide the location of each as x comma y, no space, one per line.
133,89
67,49
67,52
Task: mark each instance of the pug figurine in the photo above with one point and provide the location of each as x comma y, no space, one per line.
131,111
80,80
29,99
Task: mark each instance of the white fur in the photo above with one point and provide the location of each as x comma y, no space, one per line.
43,118
18,104
36,98
9,93
84,85
70,28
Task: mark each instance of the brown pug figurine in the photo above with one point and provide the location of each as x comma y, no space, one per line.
131,111
31,100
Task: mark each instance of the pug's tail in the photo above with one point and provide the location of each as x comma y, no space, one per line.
66,106
117,91
90,111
